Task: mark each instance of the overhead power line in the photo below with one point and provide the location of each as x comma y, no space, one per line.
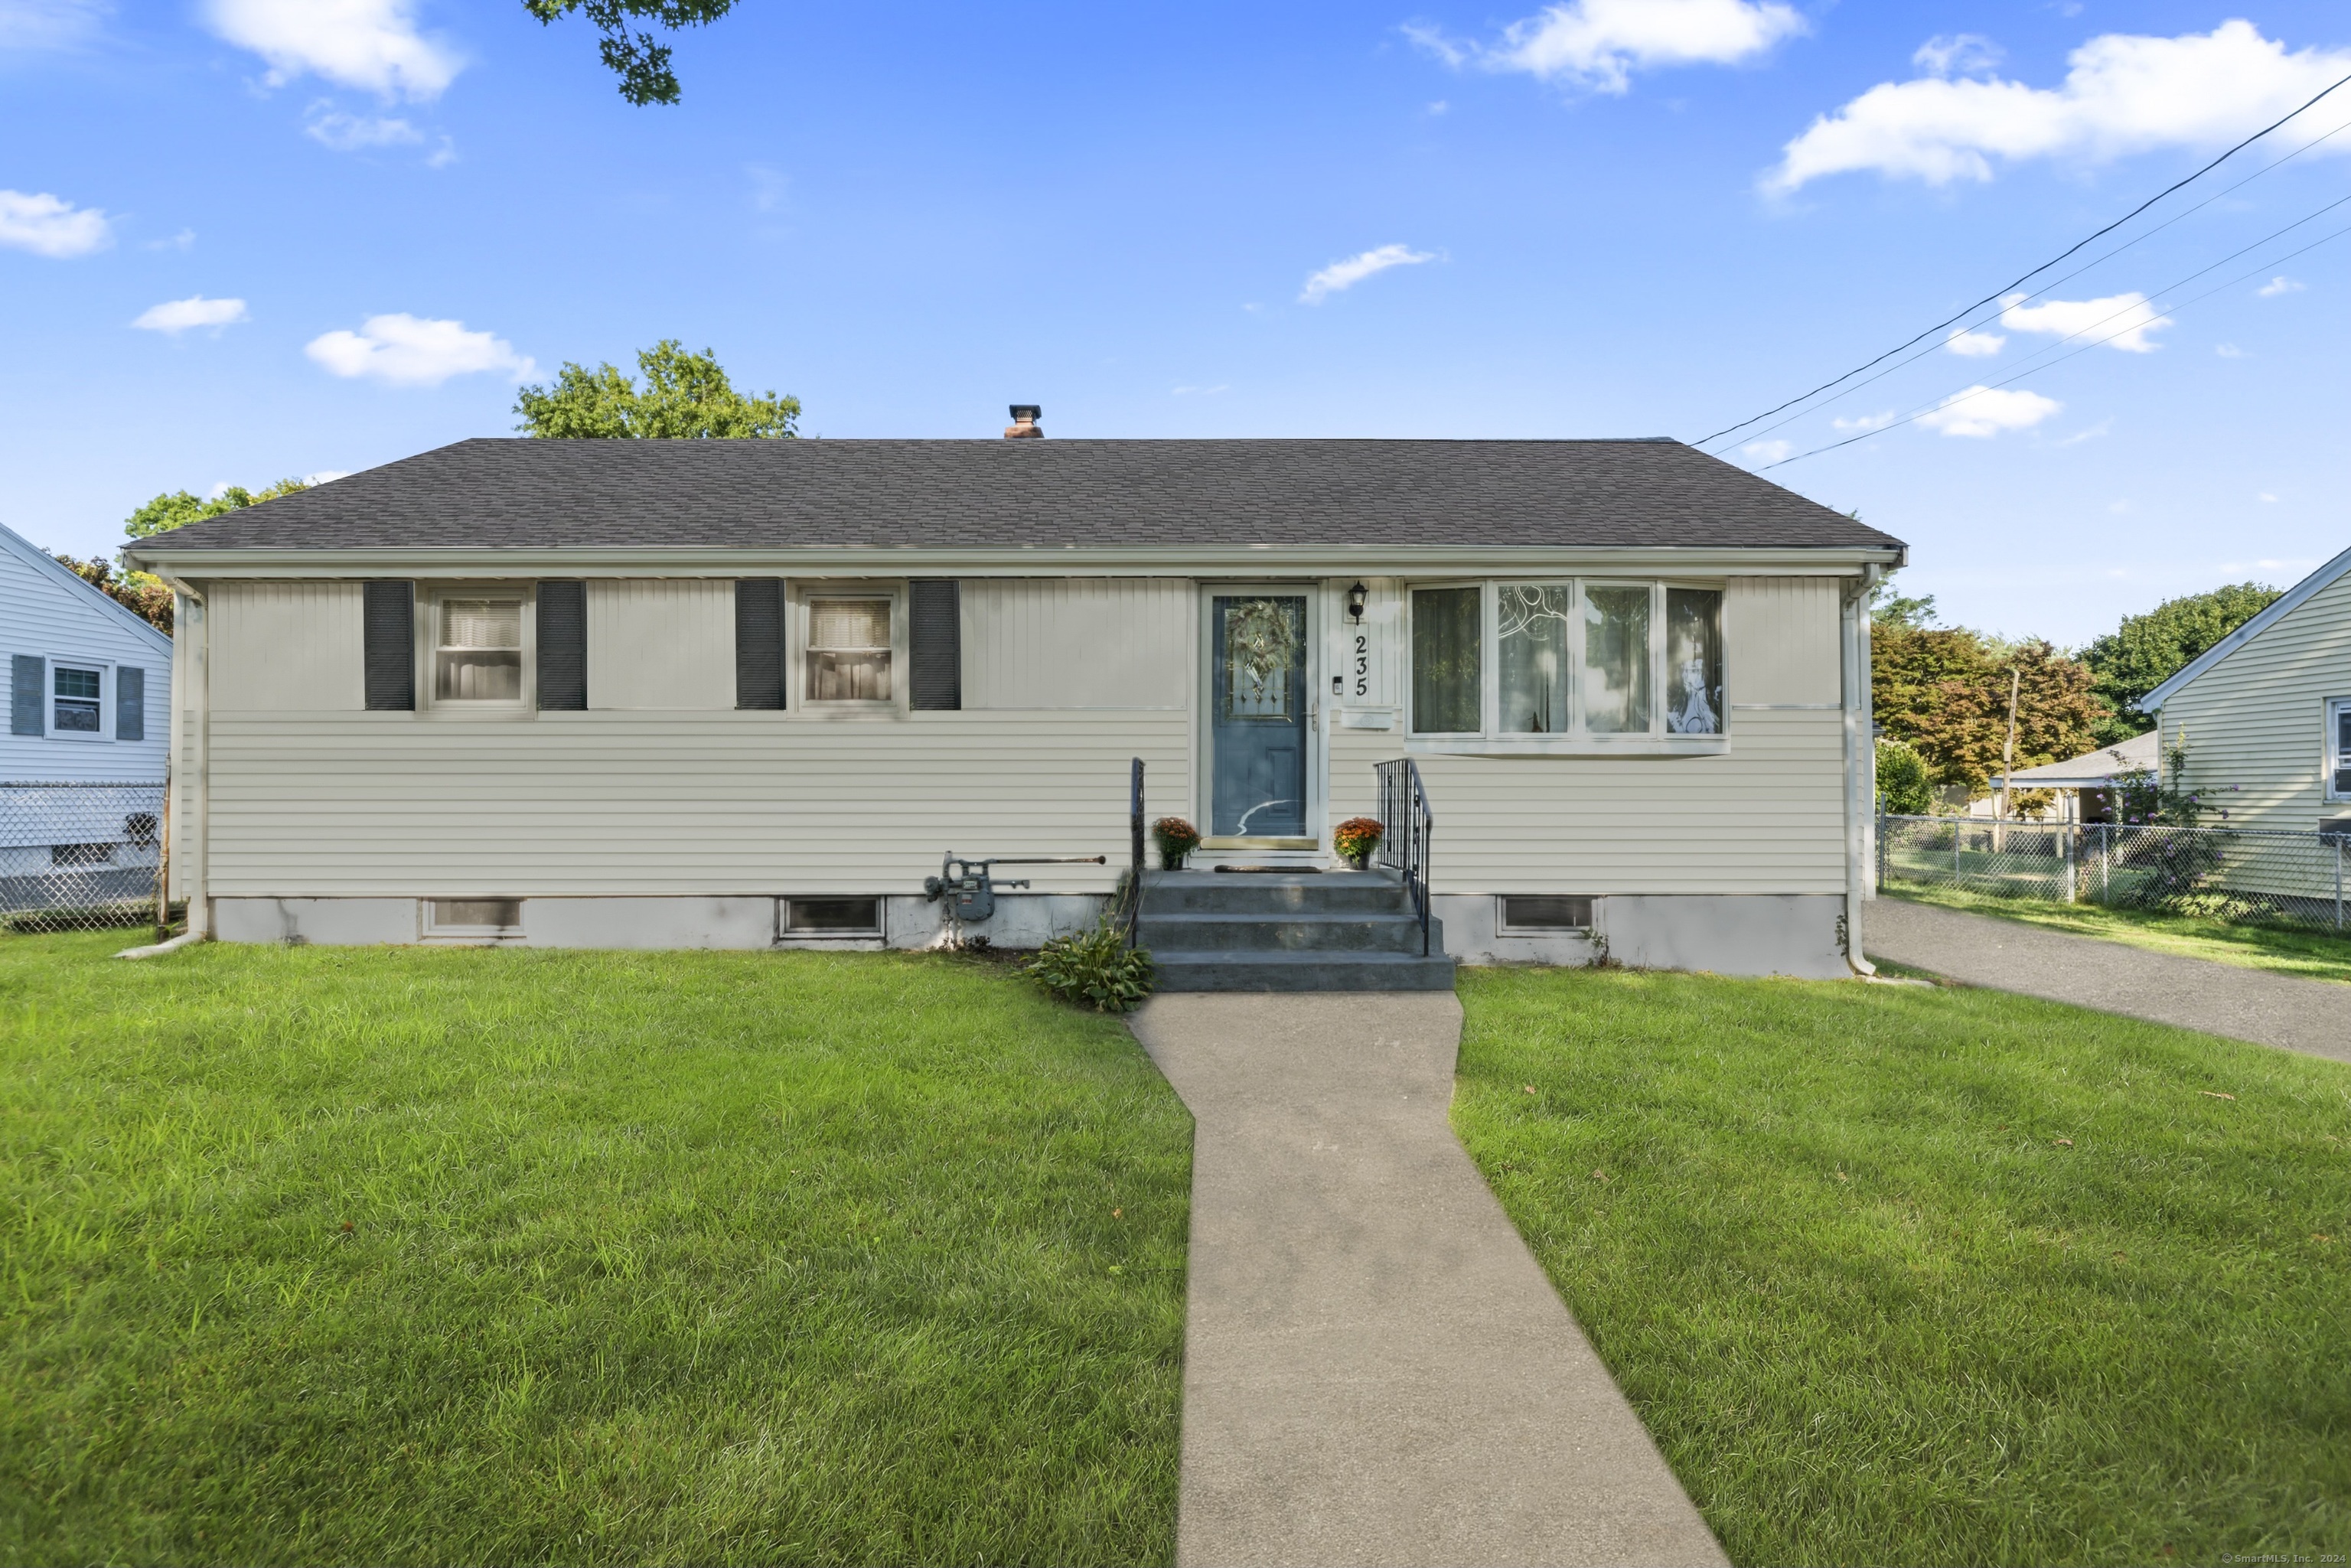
2025,277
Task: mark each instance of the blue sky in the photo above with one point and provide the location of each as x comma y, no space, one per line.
1604,217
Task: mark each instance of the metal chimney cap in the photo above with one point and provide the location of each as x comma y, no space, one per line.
1027,412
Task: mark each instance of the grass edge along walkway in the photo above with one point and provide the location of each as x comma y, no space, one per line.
346,1255
2307,955
1912,1274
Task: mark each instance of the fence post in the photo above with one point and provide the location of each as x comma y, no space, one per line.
2338,883
1881,852
2065,855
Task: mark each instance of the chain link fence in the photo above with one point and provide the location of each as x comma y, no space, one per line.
2240,875
73,856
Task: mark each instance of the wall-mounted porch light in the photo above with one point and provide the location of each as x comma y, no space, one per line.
1355,597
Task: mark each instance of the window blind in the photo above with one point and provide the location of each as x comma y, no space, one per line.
760,643
934,644
563,645
388,621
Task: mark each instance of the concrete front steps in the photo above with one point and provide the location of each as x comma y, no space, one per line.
1288,930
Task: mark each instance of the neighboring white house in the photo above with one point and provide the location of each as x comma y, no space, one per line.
89,683
736,693
90,702
2083,785
2264,714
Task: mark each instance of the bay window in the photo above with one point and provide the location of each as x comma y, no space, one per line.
1564,664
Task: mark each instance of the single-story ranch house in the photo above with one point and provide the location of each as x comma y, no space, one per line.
742,693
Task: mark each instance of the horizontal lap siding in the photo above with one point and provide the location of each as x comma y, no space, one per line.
327,804
2255,722
287,645
1766,817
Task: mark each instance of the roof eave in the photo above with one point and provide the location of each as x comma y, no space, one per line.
2293,599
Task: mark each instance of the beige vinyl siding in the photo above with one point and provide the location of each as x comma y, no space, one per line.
1077,642
1780,640
2255,723
286,647
648,803
1766,817
660,642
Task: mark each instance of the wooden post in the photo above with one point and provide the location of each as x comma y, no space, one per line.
2007,761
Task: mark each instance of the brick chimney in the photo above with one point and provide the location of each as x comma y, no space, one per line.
1024,422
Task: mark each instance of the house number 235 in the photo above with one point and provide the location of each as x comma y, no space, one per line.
1362,664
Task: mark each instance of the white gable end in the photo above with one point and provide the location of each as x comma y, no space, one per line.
52,623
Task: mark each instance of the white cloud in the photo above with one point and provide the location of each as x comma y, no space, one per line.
2123,93
349,133
410,351
1972,344
325,476
180,241
1957,55
1866,422
1982,411
1200,392
47,225
49,24
1598,44
2267,495
368,44
2277,286
1344,275
2229,350
1767,451
2119,321
177,316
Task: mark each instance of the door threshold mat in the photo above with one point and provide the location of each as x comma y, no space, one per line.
1274,869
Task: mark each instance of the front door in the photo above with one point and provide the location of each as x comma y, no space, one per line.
1258,729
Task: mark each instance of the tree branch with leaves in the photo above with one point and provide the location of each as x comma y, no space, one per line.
636,56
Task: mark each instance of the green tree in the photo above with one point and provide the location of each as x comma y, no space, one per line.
2147,650
1903,787
685,395
1887,608
1943,691
140,593
641,64
178,509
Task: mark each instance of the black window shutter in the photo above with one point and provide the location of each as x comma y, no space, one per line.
934,639
760,643
563,645
25,697
129,703
391,634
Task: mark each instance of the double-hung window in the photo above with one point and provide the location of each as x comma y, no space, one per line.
850,649
1537,665
2338,749
77,700
480,657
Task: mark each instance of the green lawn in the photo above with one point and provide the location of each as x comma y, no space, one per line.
318,1255
1834,1243
2312,955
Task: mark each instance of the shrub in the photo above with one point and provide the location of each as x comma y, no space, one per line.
1904,788
1094,969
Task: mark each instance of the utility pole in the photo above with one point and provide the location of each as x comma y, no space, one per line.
2008,753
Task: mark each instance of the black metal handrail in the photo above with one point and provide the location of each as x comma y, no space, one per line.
1134,845
1406,824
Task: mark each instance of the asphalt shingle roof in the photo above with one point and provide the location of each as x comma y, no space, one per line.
980,495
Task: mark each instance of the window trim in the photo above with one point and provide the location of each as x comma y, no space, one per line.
1577,740
2333,755
429,612
1587,931
104,669
803,594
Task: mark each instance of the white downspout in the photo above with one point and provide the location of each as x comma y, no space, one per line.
1860,759
190,741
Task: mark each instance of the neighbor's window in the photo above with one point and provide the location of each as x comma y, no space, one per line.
478,652
77,705
1569,659
2338,749
849,650
1447,684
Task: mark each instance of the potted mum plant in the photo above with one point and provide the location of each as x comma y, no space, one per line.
1356,838
1175,839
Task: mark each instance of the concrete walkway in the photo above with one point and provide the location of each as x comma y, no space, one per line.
2284,1011
1375,1370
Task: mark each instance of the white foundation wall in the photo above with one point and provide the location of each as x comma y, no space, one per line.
1758,934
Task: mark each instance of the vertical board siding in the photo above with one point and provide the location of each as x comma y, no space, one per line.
1766,817
280,647
1077,642
1780,640
650,803
660,642
2255,723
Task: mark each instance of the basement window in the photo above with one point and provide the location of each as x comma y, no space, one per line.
1544,915
473,917
832,917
